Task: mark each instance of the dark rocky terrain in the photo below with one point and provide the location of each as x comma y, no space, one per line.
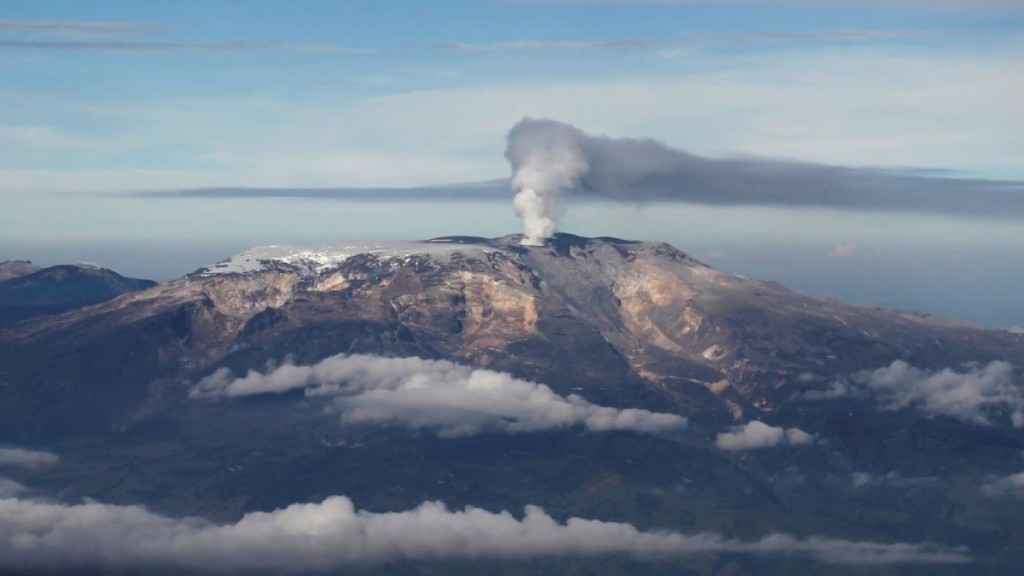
623,324
30,292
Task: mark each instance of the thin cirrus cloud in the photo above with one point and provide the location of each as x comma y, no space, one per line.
838,35
333,533
756,435
942,6
75,29
548,45
183,47
451,399
73,35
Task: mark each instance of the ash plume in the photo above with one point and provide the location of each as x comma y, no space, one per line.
551,160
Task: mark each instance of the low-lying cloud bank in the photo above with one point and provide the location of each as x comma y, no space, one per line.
755,435
332,533
22,458
986,395
438,395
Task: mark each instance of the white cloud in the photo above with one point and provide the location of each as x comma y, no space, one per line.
27,458
843,34
454,400
1015,329
798,437
9,488
75,29
154,47
1012,485
333,534
13,137
755,435
976,395
547,45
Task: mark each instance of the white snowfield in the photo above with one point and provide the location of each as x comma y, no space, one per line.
329,256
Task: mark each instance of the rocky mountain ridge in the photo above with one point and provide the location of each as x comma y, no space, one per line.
685,330
804,414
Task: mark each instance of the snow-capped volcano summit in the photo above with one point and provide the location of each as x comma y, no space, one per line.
320,259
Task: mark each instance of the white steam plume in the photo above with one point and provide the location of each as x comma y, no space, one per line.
436,395
334,534
546,161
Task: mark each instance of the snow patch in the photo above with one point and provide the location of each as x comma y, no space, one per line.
329,256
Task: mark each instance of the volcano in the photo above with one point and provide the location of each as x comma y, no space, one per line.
802,414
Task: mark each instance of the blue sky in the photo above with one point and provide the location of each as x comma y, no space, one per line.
125,94
109,96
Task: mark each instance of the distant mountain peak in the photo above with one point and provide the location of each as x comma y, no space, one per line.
28,291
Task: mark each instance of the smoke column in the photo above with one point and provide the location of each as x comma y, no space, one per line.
552,160
547,162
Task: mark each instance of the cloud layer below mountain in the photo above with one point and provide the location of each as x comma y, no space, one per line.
981,394
23,458
438,395
756,435
333,533
986,395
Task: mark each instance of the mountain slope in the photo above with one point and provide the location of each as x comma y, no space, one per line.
629,325
29,292
665,327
